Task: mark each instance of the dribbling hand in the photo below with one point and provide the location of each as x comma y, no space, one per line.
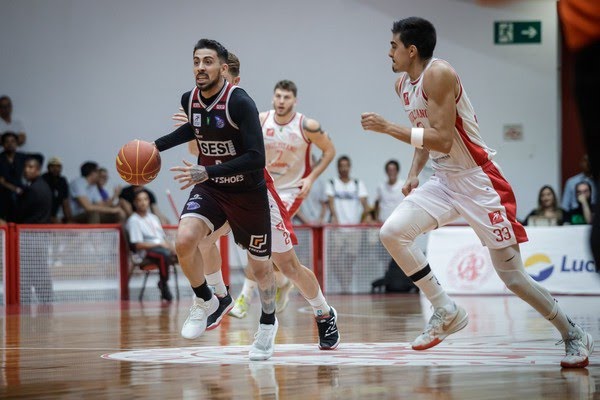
180,117
192,174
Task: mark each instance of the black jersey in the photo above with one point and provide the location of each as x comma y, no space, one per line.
229,136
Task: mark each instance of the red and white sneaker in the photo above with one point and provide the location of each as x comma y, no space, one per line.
441,324
578,346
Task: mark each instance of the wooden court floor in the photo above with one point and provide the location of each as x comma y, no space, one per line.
133,350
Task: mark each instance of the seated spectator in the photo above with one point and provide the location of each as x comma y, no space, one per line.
12,164
60,192
34,206
148,238
127,204
10,124
107,199
583,213
389,193
547,213
569,199
86,201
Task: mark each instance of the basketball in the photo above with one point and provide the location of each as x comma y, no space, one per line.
138,162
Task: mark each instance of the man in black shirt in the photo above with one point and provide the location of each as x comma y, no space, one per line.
60,191
34,206
229,186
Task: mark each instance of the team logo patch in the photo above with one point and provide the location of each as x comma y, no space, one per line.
405,96
270,132
257,242
197,120
496,217
192,205
220,122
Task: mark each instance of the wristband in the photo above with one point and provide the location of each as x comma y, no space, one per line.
416,137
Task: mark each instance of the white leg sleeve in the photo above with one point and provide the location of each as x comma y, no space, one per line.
399,232
509,266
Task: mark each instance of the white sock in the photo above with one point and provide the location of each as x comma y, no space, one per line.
319,304
248,289
216,281
434,292
280,279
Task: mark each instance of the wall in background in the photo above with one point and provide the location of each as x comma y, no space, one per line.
87,76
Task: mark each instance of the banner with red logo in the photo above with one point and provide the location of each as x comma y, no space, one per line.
558,258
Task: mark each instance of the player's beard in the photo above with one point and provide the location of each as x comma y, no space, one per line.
209,85
287,111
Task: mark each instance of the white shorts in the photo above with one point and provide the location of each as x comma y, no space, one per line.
291,201
480,195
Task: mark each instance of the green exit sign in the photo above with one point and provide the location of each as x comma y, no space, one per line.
517,32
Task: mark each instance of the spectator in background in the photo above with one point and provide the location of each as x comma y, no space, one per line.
547,212
389,193
10,124
12,164
86,201
569,199
60,192
148,238
583,213
126,202
34,206
107,199
347,197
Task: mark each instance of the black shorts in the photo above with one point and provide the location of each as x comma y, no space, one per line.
248,215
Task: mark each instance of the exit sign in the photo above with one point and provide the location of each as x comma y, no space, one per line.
517,32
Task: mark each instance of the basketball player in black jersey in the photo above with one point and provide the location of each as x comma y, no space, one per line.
228,186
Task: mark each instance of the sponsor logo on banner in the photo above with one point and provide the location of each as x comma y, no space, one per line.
405,96
496,217
470,267
539,266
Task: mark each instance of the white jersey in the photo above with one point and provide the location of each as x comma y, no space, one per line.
468,149
287,151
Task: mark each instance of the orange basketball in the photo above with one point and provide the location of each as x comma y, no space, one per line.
138,162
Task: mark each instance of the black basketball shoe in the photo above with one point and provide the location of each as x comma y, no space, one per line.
225,305
329,337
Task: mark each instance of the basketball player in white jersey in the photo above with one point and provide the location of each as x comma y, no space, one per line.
466,183
283,254
288,137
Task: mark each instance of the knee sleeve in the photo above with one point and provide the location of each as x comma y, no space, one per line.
510,269
399,232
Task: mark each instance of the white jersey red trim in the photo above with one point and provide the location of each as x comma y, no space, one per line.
287,150
468,148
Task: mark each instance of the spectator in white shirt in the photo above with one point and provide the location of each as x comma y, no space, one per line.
347,197
389,193
148,238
